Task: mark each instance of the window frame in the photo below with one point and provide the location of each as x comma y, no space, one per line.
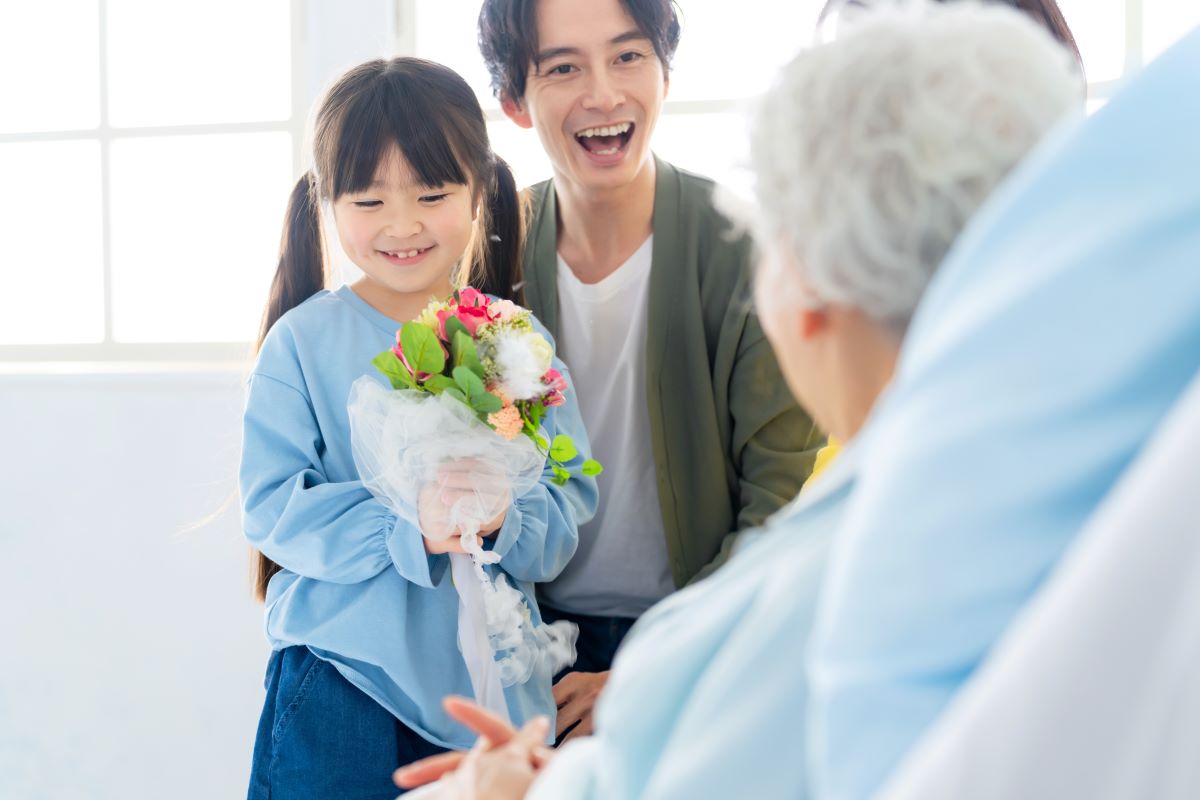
108,350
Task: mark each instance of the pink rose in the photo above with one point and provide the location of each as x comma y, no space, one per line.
554,399
472,298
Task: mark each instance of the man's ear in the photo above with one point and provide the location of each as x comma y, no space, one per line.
515,111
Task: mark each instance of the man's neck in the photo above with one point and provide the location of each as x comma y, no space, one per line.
598,231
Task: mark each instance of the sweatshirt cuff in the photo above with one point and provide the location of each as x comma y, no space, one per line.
506,537
408,552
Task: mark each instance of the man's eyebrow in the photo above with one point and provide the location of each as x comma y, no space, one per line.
554,52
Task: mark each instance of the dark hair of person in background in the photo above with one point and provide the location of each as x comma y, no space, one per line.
1046,12
508,37
430,113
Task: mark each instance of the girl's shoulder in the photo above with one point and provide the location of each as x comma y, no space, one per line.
290,333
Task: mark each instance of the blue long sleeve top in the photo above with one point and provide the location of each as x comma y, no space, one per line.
707,696
1060,330
357,586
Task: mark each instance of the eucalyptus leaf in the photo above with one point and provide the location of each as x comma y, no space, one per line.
454,325
439,383
592,467
465,353
563,448
422,348
395,371
561,476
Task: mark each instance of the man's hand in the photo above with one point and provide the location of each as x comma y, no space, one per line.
504,760
576,695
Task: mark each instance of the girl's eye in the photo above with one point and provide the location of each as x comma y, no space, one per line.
433,198
367,203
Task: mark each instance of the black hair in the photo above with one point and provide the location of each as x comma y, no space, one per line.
509,43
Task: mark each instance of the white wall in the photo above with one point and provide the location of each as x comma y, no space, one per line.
132,653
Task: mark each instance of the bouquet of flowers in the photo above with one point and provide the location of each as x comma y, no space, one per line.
472,380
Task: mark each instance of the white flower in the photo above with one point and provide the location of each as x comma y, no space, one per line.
521,358
505,310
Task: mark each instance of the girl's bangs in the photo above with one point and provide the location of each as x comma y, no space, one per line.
393,115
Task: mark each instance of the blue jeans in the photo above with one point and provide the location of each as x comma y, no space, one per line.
599,638
321,738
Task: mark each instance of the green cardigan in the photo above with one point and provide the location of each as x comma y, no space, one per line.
730,444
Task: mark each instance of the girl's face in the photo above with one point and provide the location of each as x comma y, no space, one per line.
405,237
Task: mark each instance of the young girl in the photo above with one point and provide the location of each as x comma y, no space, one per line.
360,611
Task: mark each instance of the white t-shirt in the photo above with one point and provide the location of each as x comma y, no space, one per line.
621,567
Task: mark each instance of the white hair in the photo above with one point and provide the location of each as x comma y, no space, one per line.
871,152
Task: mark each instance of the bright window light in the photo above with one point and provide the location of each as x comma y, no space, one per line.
188,63
49,57
1166,22
196,222
53,270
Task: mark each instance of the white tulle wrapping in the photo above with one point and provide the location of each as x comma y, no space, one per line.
401,440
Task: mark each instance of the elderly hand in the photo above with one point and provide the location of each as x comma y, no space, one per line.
502,764
576,695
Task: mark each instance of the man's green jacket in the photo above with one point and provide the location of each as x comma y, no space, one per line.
730,444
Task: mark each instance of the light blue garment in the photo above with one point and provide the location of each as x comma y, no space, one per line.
707,695
1056,335
357,586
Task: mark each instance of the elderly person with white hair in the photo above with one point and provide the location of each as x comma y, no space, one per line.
871,152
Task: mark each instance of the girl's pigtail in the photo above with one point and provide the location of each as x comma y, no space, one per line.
505,233
300,275
301,270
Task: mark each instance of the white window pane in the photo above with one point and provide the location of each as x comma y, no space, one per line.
173,63
447,34
1099,28
52,253
196,223
732,49
522,150
50,63
1164,22
686,140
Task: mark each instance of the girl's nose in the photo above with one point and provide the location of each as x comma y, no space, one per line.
403,225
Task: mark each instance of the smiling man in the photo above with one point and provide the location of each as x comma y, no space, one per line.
636,274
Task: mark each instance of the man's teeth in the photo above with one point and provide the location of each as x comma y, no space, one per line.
611,130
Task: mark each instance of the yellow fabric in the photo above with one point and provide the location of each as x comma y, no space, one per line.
825,457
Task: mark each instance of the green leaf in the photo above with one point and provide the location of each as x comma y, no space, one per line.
392,367
457,394
486,403
541,441
454,325
464,352
439,383
563,448
422,348
561,476
477,396
592,467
